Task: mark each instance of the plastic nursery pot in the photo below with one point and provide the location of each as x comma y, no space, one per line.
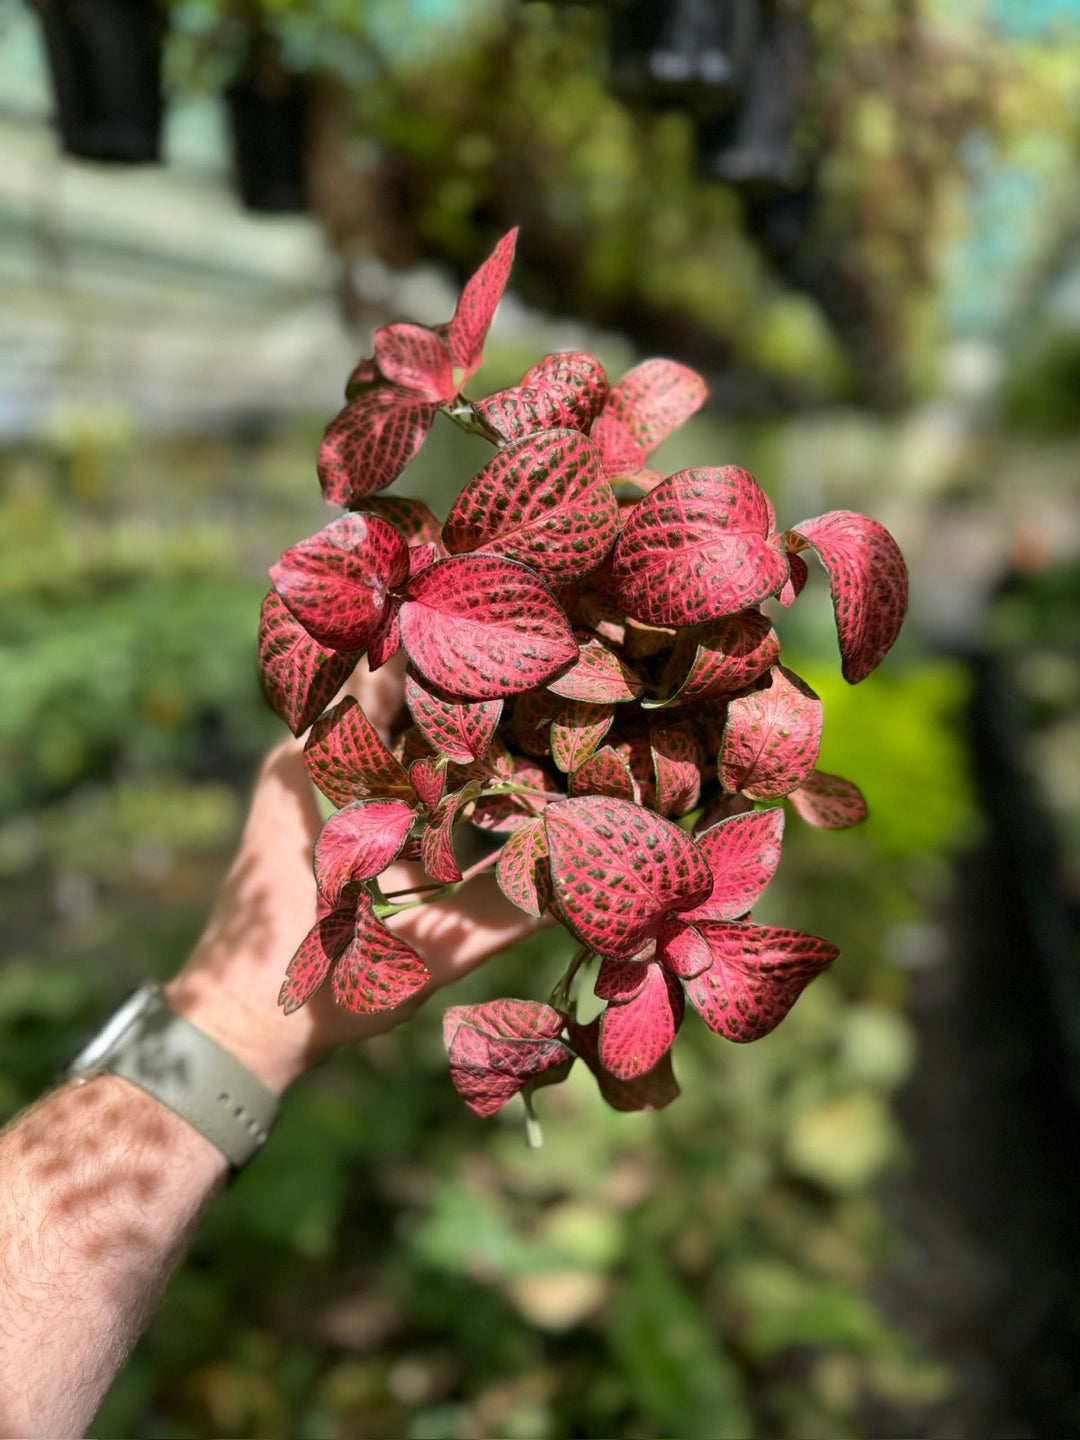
105,61
268,110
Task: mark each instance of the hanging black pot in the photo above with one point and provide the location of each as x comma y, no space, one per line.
686,54
105,61
268,111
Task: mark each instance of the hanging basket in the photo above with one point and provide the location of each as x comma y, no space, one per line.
105,61
268,111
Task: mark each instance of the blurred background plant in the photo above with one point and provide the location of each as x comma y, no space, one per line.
860,221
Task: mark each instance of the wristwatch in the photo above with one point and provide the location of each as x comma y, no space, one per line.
182,1067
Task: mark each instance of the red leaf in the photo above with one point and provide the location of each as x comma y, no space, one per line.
378,971
720,658
604,773
651,1091
742,853
797,577
522,869
386,641
481,626
437,845
771,738
695,549
637,1033
496,1049
300,676
461,730
428,779
412,517
757,974
543,500
309,967
368,444
561,392
869,584
682,950
364,377
348,761
621,980
577,730
336,582
476,308
618,870
511,812
530,725
677,761
654,399
828,801
620,454
360,842
598,676
415,359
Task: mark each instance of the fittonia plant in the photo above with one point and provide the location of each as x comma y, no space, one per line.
590,681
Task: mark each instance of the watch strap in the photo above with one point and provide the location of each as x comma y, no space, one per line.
195,1077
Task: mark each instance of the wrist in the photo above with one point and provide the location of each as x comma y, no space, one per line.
275,1052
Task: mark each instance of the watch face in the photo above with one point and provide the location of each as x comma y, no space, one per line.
99,1048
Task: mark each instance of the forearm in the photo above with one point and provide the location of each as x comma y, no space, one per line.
100,1189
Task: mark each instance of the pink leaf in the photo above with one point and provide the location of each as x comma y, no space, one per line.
654,399
869,584
561,392
480,626
771,737
829,802
695,549
543,500
412,517
620,454
378,971
757,974
348,761
637,1033
522,869
797,577
415,359
618,870
598,676
720,658
309,967
621,980
437,845
368,444
604,773
577,730
364,377
651,1091
360,842
476,308
300,676
498,1048
461,730
677,761
742,853
428,779
386,641
336,583
682,950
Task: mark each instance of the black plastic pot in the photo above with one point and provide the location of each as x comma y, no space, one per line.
105,60
268,110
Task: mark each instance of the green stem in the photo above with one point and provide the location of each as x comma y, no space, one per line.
462,413
534,1135
560,996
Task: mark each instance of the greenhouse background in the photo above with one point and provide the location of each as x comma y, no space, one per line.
866,234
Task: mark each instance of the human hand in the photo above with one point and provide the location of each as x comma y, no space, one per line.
230,984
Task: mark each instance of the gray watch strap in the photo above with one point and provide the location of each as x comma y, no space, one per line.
180,1065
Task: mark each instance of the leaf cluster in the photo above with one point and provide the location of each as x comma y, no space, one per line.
592,683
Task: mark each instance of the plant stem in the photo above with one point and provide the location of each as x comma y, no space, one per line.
461,412
560,996
534,1135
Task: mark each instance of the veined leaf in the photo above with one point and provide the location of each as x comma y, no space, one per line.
618,870
522,869
461,730
348,761
412,517
620,454
651,1091
682,950
695,549
300,676
480,626
869,584
336,583
598,676
359,842
635,1034
467,331
378,971
428,777
564,391
542,500
368,444
771,738
757,974
677,758
415,359
496,1049
828,801
742,853
654,398
437,844
720,658
605,772
328,938
577,730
